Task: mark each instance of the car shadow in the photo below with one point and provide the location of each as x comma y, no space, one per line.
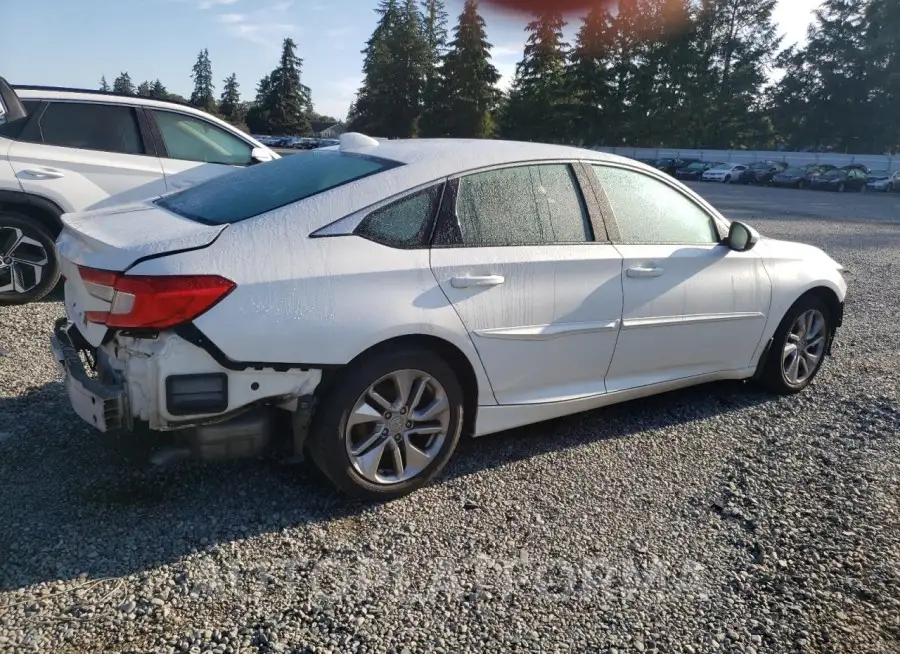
80,504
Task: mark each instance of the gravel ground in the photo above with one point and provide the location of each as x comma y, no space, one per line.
717,519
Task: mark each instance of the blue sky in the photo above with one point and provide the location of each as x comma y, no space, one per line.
73,43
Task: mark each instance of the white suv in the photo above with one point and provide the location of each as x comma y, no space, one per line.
65,150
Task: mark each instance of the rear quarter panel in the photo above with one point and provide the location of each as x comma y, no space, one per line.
317,301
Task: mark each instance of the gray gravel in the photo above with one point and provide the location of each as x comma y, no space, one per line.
717,519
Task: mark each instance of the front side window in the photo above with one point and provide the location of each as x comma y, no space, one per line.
525,205
650,211
247,192
192,139
405,223
91,126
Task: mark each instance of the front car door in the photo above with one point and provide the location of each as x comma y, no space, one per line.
193,149
79,154
692,306
522,254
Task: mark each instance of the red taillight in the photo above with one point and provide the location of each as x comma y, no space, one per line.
152,302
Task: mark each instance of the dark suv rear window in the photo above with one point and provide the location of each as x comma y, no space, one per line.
252,191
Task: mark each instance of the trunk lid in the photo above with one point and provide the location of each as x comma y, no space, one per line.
114,239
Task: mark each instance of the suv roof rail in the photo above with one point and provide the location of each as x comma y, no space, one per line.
114,94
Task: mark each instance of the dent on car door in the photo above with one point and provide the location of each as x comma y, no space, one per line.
692,305
85,155
194,150
540,298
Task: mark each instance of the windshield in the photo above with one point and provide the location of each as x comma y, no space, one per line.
794,172
833,174
249,192
760,165
696,166
879,173
723,167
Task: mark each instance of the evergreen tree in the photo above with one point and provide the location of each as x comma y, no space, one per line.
123,84
287,101
396,56
230,102
435,18
158,91
203,96
538,92
590,79
145,90
257,115
882,41
104,85
467,83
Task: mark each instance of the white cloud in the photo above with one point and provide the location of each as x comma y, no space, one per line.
507,50
337,96
209,4
793,17
261,27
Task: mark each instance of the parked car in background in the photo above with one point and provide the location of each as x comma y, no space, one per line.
840,180
856,166
889,183
694,171
67,150
761,172
670,165
725,173
410,289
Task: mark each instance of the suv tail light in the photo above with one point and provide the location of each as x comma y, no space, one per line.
152,302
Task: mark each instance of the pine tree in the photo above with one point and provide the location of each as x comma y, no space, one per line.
882,41
389,101
257,115
104,85
538,92
158,91
230,102
203,96
123,84
435,17
467,83
590,79
145,90
287,101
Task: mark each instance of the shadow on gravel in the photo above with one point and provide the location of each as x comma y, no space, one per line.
76,502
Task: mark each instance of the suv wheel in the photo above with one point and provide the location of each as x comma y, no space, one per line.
388,424
29,266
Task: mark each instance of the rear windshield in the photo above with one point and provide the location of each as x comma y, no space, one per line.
252,191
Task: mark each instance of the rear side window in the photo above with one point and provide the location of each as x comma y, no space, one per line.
248,192
405,223
91,126
192,139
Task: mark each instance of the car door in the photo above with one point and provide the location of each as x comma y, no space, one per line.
522,254
84,155
692,306
193,150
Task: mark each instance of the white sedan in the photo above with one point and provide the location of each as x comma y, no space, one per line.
369,304
725,173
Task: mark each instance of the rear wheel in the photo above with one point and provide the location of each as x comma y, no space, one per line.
798,347
841,187
389,424
890,187
29,266
801,184
727,179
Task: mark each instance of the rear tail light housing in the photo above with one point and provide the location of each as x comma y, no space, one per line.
149,301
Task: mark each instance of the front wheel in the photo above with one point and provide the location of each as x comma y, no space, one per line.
798,347
841,187
388,424
727,179
29,266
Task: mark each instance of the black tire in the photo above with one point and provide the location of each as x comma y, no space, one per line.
727,179
890,187
33,230
841,188
326,443
773,378
801,184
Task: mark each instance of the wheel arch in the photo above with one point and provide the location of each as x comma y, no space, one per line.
44,211
449,352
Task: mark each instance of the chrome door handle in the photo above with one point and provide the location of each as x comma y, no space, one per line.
43,173
472,282
641,272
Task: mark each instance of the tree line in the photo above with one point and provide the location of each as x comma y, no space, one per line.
657,73
282,105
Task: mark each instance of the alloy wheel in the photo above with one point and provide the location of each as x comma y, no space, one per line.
397,427
22,261
804,347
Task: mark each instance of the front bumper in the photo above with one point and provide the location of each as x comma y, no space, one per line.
98,402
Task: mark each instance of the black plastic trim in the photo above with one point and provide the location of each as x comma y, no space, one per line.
196,410
146,136
192,334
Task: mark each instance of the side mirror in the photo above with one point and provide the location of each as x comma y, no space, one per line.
742,237
260,155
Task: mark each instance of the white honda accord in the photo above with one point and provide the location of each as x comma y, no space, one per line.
369,303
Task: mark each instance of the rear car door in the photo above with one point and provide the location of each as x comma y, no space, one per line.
692,306
521,253
193,150
79,154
